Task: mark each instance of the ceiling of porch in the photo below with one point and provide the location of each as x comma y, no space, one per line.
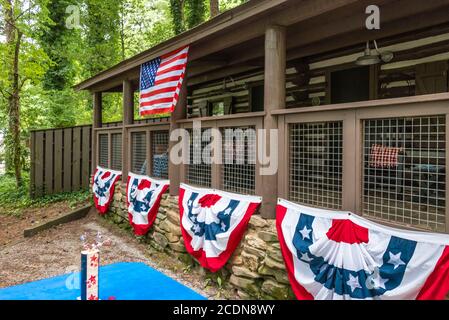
315,28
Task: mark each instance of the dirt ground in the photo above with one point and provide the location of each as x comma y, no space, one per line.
11,227
57,251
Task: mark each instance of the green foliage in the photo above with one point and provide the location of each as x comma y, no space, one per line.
13,199
196,12
53,40
53,58
229,4
101,21
177,12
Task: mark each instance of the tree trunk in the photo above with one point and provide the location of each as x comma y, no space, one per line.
122,29
14,114
13,41
177,12
214,8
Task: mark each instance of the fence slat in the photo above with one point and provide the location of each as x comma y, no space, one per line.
85,157
32,164
76,167
39,163
67,186
58,162
49,162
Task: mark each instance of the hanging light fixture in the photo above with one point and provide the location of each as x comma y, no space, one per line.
368,57
385,56
371,57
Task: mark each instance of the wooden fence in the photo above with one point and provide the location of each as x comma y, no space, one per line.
60,160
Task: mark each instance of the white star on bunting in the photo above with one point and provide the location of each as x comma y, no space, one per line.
305,257
379,282
395,259
305,233
353,282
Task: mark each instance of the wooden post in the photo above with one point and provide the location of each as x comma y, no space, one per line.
96,123
128,118
275,66
174,171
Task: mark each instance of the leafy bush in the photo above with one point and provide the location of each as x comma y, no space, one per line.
13,199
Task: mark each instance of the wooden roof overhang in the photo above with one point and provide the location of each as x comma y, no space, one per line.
233,42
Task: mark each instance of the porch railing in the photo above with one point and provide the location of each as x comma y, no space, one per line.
385,160
332,157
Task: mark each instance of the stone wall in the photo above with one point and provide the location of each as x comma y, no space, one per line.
255,271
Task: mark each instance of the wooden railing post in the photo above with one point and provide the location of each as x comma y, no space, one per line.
274,86
174,171
128,118
96,123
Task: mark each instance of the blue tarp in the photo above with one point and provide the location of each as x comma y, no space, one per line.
122,281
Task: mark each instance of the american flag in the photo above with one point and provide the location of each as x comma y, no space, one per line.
160,82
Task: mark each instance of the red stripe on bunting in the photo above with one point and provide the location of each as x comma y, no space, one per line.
347,231
437,284
300,292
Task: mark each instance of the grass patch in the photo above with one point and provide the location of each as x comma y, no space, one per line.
13,199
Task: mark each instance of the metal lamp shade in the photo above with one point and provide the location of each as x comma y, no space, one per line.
368,59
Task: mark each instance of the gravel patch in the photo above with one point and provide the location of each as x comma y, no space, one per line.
57,251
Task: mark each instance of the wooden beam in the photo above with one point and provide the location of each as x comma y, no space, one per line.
96,123
327,41
220,74
275,65
384,42
180,112
128,118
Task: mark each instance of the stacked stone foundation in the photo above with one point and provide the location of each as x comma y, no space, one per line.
255,271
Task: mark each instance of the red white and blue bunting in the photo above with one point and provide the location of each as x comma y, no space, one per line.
144,196
213,223
339,255
103,186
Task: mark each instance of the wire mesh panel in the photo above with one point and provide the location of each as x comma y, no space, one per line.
159,152
198,172
316,155
116,152
238,169
404,170
139,152
103,149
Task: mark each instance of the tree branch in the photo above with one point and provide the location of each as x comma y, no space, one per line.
5,93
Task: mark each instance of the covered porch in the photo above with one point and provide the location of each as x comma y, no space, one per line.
290,65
